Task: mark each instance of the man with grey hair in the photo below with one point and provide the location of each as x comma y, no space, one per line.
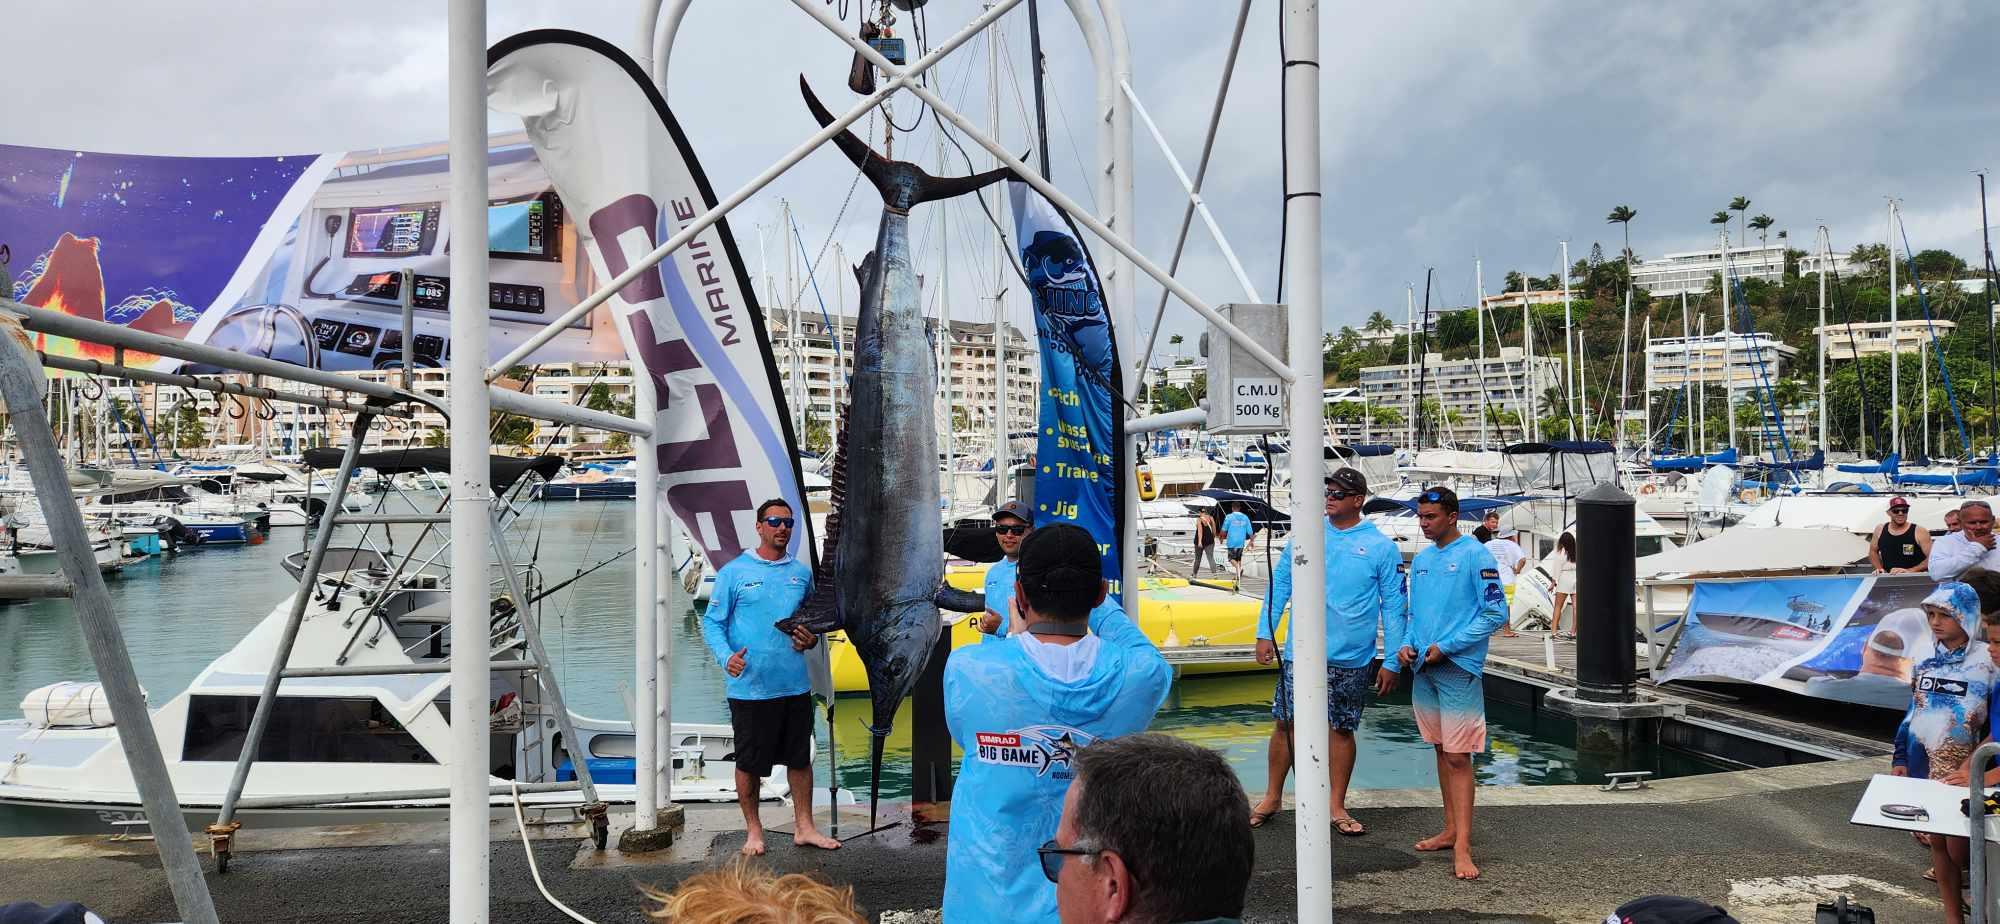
1159,830
1953,553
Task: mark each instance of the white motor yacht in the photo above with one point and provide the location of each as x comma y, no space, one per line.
62,770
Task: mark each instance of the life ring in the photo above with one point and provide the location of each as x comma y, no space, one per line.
1648,489
1148,490
1747,496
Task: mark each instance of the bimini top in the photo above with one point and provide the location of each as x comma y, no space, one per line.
1584,447
1469,508
505,470
1694,463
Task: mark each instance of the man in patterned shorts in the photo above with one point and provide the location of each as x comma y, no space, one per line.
1363,583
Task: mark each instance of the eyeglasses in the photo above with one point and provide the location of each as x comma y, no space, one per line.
779,522
1013,530
1052,857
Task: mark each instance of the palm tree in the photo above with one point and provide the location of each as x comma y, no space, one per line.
1741,205
1623,215
1721,218
1763,225
1378,323
1176,341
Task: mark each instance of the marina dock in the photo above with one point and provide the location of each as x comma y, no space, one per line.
1765,843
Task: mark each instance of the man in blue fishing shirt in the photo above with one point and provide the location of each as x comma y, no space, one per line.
1364,581
1237,531
770,697
1020,708
1455,604
1011,524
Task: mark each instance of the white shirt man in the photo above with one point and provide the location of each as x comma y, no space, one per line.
1953,553
1508,554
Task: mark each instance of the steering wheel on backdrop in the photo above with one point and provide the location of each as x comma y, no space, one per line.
279,332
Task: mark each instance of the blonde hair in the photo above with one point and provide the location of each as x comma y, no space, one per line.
748,893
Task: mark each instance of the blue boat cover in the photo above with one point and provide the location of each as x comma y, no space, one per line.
1971,477
1888,466
1811,463
1695,463
1469,508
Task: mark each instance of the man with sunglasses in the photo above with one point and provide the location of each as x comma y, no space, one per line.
1076,671
1363,582
1011,524
1153,830
770,696
1455,604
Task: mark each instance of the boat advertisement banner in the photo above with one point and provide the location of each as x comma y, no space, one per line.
1079,455
307,259
1851,639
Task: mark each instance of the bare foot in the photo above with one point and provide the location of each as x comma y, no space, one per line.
814,839
1462,867
1443,840
754,847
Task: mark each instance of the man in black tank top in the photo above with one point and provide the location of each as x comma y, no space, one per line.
1899,546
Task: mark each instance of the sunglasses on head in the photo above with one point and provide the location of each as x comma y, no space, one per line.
779,522
1011,529
1052,857
1431,497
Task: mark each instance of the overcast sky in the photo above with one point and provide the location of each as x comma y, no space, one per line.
1449,129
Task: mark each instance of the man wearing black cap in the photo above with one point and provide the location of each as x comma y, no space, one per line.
1077,672
1899,546
1363,580
1011,524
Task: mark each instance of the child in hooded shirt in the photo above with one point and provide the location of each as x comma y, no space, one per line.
1949,715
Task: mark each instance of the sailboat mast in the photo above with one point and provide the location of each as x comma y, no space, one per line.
1992,355
950,415
1687,371
1825,267
1728,335
1646,401
1624,375
1701,383
1410,359
1895,344
1479,323
1569,337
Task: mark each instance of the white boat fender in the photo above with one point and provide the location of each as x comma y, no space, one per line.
69,704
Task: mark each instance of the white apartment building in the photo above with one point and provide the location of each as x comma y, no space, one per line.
1840,264
1461,386
1182,373
1872,338
1518,300
1690,271
821,373
1739,362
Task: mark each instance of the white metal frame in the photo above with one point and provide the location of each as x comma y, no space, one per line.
1105,37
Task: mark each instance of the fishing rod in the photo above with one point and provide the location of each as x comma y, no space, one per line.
580,575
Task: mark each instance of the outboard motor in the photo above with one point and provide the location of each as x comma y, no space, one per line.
176,534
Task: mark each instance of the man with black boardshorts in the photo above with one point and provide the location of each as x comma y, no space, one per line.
770,696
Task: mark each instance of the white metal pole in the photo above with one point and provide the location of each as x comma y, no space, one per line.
1194,195
1002,486
946,340
645,624
1826,263
471,491
1895,343
836,335
1314,835
669,603
1116,164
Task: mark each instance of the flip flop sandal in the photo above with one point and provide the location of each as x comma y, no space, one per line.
1349,826
1259,817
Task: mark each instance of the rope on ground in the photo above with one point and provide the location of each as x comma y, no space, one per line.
521,824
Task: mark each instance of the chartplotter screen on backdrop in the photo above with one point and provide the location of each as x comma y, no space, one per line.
300,258
1852,639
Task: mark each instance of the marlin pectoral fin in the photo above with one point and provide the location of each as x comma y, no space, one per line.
960,601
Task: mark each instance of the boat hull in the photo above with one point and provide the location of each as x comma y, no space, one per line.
610,490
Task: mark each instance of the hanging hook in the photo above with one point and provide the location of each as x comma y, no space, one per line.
267,412
93,389
238,409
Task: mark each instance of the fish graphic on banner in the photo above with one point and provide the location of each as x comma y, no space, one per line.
1079,452
629,178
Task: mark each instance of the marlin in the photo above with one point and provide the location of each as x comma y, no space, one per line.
883,564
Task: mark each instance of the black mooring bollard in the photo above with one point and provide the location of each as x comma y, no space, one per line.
930,739
1606,574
